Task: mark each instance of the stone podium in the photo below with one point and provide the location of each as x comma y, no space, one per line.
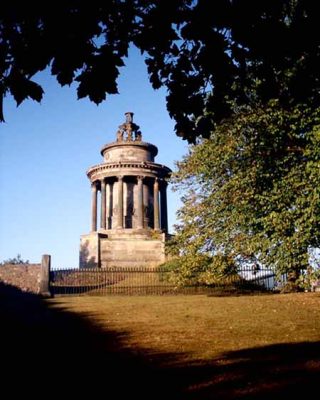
129,200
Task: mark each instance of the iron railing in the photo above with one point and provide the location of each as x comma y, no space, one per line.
153,281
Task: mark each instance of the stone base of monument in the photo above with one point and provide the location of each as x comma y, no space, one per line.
122,248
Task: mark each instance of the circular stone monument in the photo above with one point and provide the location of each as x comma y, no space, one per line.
131,191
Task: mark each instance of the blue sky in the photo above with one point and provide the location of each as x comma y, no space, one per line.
46,149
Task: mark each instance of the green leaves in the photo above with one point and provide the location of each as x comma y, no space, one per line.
251,191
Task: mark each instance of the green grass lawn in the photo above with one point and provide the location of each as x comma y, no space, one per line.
174,347
200,328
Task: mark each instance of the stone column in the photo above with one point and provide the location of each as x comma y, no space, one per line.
103,205
140,207
164,208
156,220
44,284
120,202
94,207
108,205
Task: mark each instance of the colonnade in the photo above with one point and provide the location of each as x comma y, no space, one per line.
112,215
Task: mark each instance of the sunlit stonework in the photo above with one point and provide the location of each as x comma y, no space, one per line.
130,189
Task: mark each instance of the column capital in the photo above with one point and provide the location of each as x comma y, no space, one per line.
103,182
140,177
120,178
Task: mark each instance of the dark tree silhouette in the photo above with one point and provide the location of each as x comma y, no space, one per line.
211,56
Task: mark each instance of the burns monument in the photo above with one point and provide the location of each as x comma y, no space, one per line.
131,191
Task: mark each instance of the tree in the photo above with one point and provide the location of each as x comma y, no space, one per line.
252,191
209,55
15,260
83,43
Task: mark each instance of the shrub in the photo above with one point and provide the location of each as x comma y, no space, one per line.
16,260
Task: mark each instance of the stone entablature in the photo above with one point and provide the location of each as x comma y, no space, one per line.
100,171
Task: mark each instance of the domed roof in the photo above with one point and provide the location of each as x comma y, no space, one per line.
129,145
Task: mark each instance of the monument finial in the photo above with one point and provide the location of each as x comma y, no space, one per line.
127,129
129,117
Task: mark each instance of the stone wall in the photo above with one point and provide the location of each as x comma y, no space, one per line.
32,278
23,276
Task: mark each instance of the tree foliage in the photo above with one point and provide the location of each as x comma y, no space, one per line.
251,192
65,37
209,55
16,260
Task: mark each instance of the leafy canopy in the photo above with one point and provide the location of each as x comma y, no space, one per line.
209,55
251,192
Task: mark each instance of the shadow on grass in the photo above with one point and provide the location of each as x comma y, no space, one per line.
52,352
276,372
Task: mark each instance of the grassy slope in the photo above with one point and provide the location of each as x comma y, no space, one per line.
202,328
180,347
